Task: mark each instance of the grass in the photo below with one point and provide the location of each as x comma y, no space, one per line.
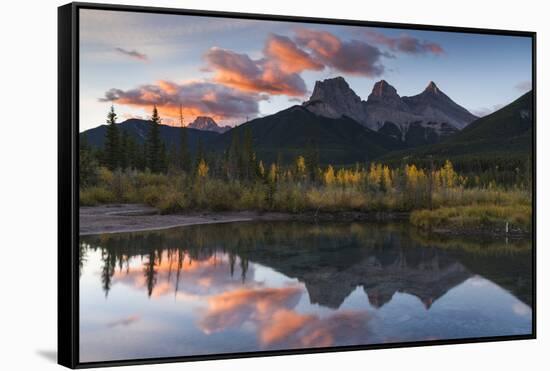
474,216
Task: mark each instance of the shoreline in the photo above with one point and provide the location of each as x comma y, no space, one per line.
123,218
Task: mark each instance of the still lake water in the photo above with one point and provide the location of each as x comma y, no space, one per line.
253,286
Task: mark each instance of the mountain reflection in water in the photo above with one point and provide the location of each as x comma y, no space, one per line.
276,285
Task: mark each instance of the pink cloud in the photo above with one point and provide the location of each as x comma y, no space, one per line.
353,57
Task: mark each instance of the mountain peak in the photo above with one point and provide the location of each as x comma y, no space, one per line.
335,80
383,89
334,98
432,88
206,123
329,88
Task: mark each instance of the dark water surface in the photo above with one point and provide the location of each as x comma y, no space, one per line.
242,287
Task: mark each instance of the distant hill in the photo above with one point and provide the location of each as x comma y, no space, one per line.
138,130
289,132
506,132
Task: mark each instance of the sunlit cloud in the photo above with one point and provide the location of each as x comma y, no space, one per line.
289,57
353,57
405,43
195,99
241,72
132,54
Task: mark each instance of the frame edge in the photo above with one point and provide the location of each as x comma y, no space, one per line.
67,272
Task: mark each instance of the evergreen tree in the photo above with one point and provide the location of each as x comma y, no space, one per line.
124,161
200,155
173,161
184,156
234,156
142,154
248,155
312,161
87,163
132,153
112,141
162,158
154,143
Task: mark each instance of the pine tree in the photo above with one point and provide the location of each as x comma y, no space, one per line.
234,156
132,153
154,143
184,160
248,156
312,160
112,144
142,153
87,163
162,158
124,161
173,161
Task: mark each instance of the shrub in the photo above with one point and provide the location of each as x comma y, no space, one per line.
95,195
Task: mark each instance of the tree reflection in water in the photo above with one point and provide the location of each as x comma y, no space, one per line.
331,259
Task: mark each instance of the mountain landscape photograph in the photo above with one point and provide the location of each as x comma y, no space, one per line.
254,185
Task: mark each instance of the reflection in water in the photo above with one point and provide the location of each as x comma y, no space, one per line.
255,286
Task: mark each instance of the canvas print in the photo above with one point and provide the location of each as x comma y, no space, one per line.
252,185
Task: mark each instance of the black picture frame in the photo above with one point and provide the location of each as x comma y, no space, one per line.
68,198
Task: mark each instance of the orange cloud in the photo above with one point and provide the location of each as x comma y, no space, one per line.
240,72
195,98
289,57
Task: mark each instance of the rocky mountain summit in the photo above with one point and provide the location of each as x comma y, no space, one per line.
333,98
436,106
430,115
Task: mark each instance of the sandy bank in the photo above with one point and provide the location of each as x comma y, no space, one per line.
116,218
130,218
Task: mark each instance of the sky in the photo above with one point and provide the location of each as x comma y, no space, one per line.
236,69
